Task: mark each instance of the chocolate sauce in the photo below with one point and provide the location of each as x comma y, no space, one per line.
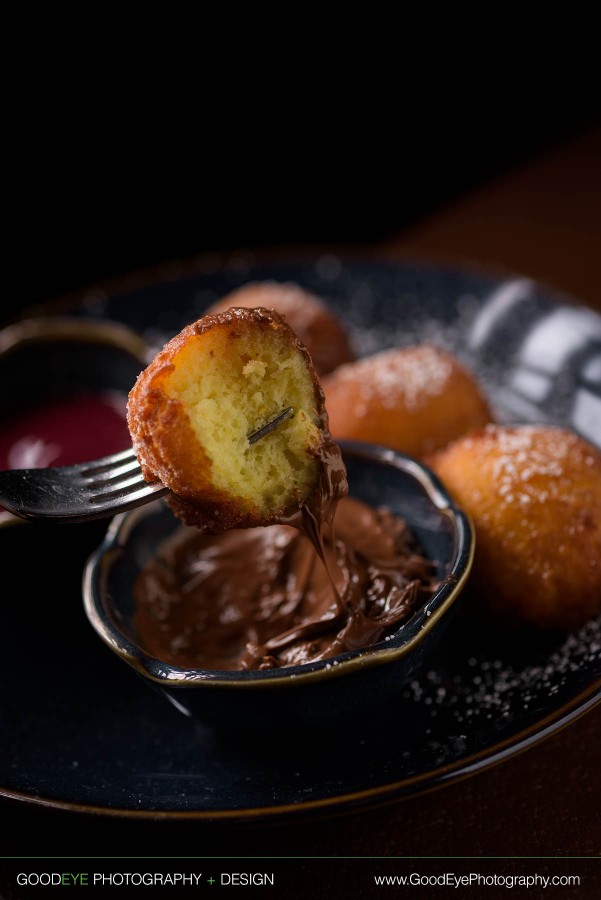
261,598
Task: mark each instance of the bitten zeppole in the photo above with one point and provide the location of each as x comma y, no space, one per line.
215,384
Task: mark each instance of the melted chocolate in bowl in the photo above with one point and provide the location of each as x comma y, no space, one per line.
262,598
332,577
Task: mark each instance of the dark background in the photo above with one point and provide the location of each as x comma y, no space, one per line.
91,201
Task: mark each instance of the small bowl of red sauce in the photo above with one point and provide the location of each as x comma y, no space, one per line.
66,382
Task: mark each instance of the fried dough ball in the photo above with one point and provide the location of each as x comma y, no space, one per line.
318,328
534,495
414,399
192,410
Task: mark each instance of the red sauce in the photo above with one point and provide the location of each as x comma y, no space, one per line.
64,431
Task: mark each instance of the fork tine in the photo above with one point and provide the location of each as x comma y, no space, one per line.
109,488
127,496
113,474
108,483
105,462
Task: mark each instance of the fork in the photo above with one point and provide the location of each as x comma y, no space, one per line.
90,490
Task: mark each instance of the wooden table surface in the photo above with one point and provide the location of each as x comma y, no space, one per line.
542,219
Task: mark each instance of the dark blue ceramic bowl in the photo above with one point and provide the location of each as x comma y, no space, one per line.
298,696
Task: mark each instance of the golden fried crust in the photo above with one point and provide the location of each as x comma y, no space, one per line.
318,328
165,441
534,494
414,399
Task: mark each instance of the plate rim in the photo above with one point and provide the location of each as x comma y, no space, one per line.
426,782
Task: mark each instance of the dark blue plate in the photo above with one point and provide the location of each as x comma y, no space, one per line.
81,731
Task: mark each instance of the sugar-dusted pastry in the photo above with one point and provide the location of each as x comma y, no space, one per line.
322,333
413,399
534,495
211,388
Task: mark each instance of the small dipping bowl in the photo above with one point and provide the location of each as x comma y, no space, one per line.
66,382
317,693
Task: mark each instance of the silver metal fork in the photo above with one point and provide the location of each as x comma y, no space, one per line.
90,490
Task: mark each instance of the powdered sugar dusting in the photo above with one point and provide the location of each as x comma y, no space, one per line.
490,687
409,376
530,464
